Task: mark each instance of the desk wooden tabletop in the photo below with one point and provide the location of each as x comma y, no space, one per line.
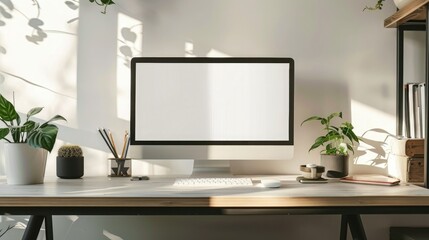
159,192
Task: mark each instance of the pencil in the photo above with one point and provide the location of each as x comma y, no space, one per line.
105,140
110,143
125,144
113,144
128,144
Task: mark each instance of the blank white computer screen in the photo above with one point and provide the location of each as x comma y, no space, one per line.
219,102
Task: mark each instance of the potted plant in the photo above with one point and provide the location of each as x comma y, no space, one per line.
27,143
337,141
70,162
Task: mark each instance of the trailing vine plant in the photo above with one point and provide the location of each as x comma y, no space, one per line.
103,3
378,6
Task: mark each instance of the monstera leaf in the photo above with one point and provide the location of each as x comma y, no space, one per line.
4,132
43,137
7,110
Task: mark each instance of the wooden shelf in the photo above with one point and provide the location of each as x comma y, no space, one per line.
416,10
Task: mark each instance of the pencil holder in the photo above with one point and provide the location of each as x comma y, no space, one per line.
119,167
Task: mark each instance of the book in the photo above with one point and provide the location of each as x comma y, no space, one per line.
422,99
406,111
411,107
373,179
417,112
414,109
407,147
407,169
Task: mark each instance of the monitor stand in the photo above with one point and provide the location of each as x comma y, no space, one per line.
211,168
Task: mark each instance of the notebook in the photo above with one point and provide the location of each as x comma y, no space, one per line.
371,179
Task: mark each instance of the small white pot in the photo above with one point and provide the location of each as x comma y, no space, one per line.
24,164
401,3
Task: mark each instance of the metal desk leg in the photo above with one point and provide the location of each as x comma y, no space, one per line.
343,230
355,224
33,228
49,228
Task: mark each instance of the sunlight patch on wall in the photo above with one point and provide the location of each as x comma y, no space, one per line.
38,57
365,117
130,39
375,127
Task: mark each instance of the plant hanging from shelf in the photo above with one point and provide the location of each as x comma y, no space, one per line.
378,6
104,3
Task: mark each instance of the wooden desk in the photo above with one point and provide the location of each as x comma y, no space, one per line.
120,196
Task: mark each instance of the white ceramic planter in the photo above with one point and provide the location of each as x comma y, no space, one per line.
24,164
401,3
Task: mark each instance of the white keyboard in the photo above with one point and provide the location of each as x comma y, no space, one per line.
213,182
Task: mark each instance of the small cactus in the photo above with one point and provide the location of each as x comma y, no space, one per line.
67,151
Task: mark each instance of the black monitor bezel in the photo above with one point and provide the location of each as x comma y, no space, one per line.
136,60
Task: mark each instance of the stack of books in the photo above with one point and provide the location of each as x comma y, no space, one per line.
405,160
414,110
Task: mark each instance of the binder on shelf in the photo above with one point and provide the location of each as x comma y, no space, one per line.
422,99
414,110
406,111
417,112
411,108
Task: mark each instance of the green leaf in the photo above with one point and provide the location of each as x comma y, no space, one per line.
311,119
347,130
350,148
44,137
7,110
331,151
107,2
29,126
319,142
4,132
314,146
332,115
55,118
18,120
33,112
333,128
333,135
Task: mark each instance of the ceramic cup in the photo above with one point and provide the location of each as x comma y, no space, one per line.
312,171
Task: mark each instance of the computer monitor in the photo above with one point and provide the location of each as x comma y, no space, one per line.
213,108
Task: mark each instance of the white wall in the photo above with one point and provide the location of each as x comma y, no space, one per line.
75,62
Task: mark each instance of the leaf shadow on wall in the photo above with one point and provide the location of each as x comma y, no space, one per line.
372,154
127,45
37,35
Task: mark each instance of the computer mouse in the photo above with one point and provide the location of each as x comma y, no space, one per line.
271,183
